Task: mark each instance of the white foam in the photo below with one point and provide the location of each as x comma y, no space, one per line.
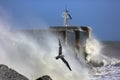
36,58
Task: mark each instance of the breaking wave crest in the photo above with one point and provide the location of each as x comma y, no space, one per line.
36,57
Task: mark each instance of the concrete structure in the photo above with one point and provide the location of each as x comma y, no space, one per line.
72,35
75,36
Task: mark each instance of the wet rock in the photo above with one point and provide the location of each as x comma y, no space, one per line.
7,73
46,77
95,64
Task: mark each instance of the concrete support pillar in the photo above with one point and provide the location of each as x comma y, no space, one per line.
66,37
87,30
64,34
77,40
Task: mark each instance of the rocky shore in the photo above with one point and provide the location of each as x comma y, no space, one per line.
7,73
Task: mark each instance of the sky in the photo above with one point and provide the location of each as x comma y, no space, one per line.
103,16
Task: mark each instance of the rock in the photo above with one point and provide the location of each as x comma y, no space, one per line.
7,73
95,64
46,77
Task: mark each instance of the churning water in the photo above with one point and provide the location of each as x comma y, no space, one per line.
34,58
111,68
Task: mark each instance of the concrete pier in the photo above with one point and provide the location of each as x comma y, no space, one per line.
74,36
64,31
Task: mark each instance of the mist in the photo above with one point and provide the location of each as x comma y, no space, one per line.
34,58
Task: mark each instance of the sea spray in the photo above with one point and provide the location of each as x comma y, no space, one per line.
93,47
33,58
94,52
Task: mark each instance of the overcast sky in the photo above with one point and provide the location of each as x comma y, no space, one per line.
102,15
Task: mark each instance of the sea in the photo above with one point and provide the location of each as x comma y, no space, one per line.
111,49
